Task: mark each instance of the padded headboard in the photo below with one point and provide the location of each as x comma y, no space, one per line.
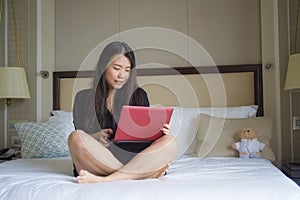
178,86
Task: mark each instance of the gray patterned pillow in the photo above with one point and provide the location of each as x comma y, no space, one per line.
43,139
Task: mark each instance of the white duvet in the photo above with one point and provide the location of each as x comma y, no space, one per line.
188,178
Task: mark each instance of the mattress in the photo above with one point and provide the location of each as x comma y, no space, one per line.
187,178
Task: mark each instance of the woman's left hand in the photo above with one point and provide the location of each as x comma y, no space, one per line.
166,129
103,135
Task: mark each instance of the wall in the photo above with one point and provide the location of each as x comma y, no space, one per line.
228,30
46,45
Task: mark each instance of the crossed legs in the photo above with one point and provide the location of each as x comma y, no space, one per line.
95,163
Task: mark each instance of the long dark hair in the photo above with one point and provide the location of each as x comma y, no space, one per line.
97,109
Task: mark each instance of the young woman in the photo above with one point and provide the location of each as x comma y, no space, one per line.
96,111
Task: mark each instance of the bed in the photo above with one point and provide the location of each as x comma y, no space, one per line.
205,167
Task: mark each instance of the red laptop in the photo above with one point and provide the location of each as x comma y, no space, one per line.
141,124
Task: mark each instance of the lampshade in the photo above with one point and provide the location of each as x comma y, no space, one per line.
13,83
292,80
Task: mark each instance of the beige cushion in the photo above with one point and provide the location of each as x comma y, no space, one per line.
216,135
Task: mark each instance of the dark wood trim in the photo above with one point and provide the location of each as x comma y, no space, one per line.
255,68
57,76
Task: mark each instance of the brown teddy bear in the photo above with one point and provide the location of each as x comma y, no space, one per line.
249,146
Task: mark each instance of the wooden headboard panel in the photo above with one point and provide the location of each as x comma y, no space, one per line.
230,73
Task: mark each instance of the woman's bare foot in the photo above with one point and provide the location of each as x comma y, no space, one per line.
87,177
161,172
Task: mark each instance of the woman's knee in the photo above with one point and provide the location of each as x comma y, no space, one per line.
73,135
74,139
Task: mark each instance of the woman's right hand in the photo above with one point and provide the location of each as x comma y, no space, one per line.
103,135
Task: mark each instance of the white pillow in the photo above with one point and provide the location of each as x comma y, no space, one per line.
43,139
63,117
184,122
62,113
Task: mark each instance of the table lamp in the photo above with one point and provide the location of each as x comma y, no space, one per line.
13,84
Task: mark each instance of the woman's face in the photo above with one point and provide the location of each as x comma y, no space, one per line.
118,72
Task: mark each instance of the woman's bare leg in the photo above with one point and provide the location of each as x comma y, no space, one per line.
89,154
150,163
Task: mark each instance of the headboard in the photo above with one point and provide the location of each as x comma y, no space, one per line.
242,84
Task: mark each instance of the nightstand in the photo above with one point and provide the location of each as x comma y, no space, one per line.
292,170
9,159
4,160
12,154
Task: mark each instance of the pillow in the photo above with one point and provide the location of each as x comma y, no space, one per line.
231,112
184,122
43,139
61,113
184,125
216,135
63,117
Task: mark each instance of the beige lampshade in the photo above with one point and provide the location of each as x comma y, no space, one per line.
13,83
292,80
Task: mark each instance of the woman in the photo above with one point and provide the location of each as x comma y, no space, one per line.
96,111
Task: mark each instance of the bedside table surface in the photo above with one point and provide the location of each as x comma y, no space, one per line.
292,170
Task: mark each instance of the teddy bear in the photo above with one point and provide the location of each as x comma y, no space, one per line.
249,146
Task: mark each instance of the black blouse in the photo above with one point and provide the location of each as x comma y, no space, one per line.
80,110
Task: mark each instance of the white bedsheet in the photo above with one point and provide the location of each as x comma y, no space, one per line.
188,178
